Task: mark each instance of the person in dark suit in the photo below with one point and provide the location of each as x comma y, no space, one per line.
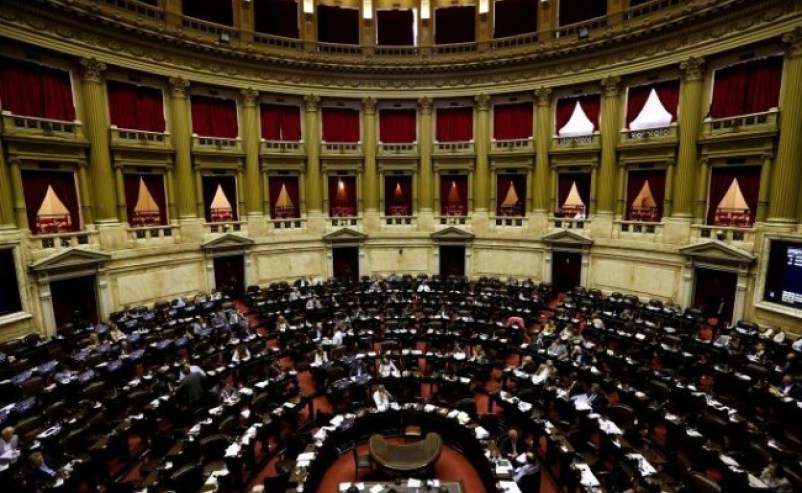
40,472
191,389
790,388
512,446
528,475
596,398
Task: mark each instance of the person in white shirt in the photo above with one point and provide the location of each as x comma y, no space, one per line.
180,303
337,338
382,398
9,442
387,367
187,368
241,354
320,357
424,287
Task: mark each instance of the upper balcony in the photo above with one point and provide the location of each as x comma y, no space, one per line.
750,125
341,149
140,139
216,145
586,143
465,148
40,128
512,146
398,149
282,148
649,137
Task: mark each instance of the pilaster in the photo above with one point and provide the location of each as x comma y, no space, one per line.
425,183
688,154
371,182
18,193
6,197
610,126
182,142
314,189
481,142
252,184
96,125
543,135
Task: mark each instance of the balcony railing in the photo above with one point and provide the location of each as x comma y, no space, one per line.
124,136
522,39
569,223
61,241
511,145
217,30
147,233
402,149
649,134
650,7
139,8
589,140
344,221
579,28
724,233
270,40
510,221
398,220
396,50
288,223
454,147
29,125
342,147
636,229
341,49
766,121
455,48
224,227
217,143
453,220
282,147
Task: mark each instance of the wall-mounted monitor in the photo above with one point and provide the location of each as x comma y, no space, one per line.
784,274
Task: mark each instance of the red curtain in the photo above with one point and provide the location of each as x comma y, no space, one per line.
453,195
564,183
219,11
590,103
667,92
454,124
397,126
136,107
397,195
229,186
455,24
29,89
34,186
720,181
155,184
395,27
291,184
514,17
745,88
276,17
337,24
572,11
281,122
340,125
657,184
512,121
214,117
518,183
342,196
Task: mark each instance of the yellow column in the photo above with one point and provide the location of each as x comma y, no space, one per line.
6,197
251,139
19,193
546,20
122,211
170,184
371,182
425,185
84,196
702,176
543,137
785,196
482,141
610,126
96,125
244,19
314,188
765,185
173,12
690,110
182,142
200,206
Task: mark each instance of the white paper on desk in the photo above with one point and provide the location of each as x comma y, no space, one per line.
509,487
233,450
453,413
303,463
463,418
429,408
587,477
215,411
320,434
337,420
344,486
289,405
481,433
693,433
306,456
521,459
414,483
464,380
726,459
246,391
524,406
377,488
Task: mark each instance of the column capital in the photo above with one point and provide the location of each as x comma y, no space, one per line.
425,105
543,95
178,86
793,40
92,70
312,102
249,96
482,102
369,105
692,69
611,86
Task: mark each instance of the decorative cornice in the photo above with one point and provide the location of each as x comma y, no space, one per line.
543,95
692,69
249,96
425,105
312,102
794,41
482,102
611,86
178,87
369,105
92,70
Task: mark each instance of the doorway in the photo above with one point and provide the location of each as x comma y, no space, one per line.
74,301
714,293
566,271
452,261
229,275
345,263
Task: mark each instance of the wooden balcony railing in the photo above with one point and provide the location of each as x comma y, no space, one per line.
146,233
124,136
212,28
401,149
139,8
44,127
396,50
270,40
354,148
216,143
651,7
454,147
340,49
589,140
454,48
751,122
521,39
511,145
61,241
578,28
282,147
648,134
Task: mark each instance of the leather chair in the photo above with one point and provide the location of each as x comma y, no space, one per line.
698,483
361,461
213,449
188,478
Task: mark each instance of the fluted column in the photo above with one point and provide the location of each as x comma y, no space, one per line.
610,126
6,197
425,185
371,183
182,142
250,141
19,194
119,183
703,174
96,125
481,183
786,175
314,188
543,136
690,109
765,188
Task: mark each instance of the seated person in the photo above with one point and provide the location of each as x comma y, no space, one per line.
241,353
228,392
188,369
527,364
545,373
790,388
9,444
40,472
338,337
558,350
382,398
358,369
320,357
94,342
758,353
515,321
774,477
511,446
528,475
387,367
705,333
479,355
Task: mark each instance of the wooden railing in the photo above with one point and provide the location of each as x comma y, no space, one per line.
647,134
337,48
17,124
577,140
406,148
454,48
342,147
465,147
397,50
282,146
213,28
61,241
139,8
521,39
650,7
271,40
152,232
217,143
511,145
752,121
578,28
126,136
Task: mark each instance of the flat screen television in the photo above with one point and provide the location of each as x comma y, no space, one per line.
784,274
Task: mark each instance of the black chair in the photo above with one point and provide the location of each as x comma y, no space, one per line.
293,445
230,427
276,483
213,450
699,483
188,479
361,461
